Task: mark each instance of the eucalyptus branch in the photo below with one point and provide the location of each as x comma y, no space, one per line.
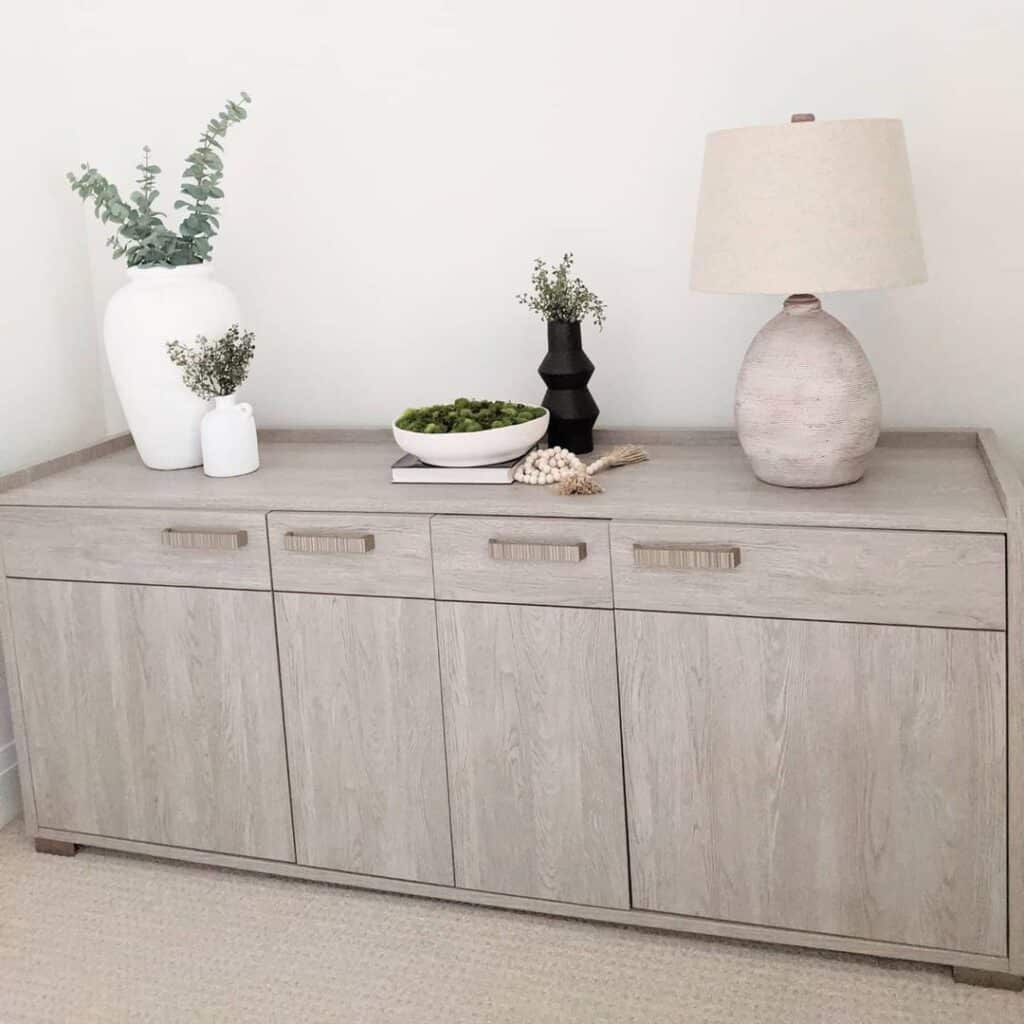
206,168
141,235
140,232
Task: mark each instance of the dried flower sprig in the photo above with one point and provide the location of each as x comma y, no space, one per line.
557,297
214,369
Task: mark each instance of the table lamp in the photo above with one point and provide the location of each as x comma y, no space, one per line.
797,209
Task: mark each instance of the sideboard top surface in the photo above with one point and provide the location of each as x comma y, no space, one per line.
926,482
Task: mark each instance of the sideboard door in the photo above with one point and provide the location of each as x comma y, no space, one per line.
365,735
828,777
534,751
154,714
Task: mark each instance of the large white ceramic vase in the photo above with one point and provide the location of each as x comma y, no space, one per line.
158,305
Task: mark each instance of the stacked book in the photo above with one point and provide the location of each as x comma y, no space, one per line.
410,470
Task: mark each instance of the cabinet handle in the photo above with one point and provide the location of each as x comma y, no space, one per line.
223,540
531,551
686,556
329,543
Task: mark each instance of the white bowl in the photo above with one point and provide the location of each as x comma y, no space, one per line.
479,448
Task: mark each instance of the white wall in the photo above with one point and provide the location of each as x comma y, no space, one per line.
50,400
406,160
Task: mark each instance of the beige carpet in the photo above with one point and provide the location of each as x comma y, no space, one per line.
107,937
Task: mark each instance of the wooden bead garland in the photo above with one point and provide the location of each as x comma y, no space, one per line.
560,466
548,466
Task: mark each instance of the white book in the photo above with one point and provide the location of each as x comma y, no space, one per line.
409,470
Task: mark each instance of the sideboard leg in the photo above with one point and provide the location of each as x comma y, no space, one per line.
988,979
55,846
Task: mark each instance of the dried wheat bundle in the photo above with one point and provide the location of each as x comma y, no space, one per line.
623,455
582,481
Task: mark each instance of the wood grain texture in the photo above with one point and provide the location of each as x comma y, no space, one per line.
534,758
397,566
10,683
128,546
671,555
154,713
889,576
223,540
944,436
1007,483
362,700
464,569
527,551
836,778
610,915
329,543
910,437
923,485
929,481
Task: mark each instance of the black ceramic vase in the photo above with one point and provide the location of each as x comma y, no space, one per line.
566,370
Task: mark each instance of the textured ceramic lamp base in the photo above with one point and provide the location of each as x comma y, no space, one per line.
808,409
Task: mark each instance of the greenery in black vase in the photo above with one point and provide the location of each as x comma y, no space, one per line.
559,298
141,235
214,369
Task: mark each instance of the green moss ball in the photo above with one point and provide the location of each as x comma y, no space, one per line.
466,416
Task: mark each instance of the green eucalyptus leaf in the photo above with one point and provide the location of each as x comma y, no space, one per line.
144,239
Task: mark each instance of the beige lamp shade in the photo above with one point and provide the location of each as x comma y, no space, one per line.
812,206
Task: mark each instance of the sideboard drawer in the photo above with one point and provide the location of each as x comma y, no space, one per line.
522,561
341,553
103,545
898,577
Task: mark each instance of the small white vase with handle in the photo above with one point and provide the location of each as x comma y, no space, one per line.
158,305
229,439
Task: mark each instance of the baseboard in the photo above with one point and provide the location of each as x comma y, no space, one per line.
10,793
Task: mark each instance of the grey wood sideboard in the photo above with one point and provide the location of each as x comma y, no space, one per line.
694,702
